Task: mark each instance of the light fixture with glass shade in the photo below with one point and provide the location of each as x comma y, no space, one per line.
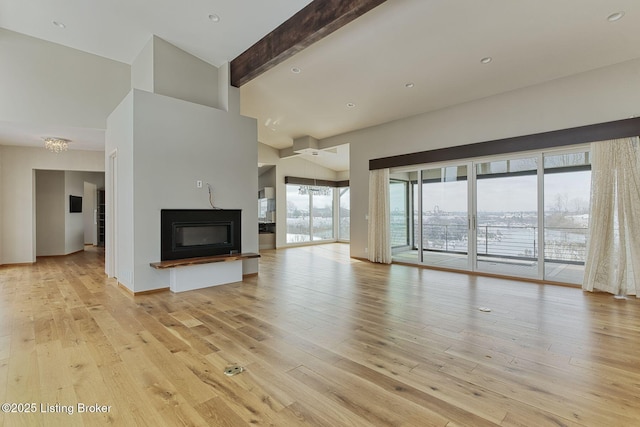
56,145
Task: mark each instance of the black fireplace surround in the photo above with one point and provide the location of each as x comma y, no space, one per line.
191,233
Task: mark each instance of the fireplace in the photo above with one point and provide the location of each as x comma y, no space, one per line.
190,233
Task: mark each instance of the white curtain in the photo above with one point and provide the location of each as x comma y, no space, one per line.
613,254
379,217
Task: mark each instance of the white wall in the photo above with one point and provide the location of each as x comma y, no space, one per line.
17,192
46,83
267,154
174,144
183,76
119,142
1,210
142,68
162,68
267,179
342,175
50,213
597,96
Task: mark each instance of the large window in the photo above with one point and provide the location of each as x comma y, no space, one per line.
309,213
567,179
507,216
444,209
344,213
515,215
445,216
321,202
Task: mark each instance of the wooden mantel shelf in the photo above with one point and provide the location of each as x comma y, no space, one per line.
202,260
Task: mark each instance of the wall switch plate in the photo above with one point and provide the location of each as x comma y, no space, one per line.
198,184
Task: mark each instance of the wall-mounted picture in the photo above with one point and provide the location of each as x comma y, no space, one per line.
75,203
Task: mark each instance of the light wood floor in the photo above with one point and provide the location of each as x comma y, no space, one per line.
325,340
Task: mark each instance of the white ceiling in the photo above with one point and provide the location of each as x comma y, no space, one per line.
434,44
119,29
437,45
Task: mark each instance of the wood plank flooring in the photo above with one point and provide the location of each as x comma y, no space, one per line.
325,341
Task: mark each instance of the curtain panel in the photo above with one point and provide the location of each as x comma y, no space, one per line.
613,253
379,241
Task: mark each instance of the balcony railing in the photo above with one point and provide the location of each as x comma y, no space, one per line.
562,244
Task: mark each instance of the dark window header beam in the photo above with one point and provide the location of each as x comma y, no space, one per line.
315,182
539,141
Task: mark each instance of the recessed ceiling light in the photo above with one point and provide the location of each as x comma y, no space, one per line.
295,70
615,16
351,105
214,17
59,24
486,60
409,85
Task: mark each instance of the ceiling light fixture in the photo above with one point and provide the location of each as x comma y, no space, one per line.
486,60
615,16
56,145
295,70
351,105
59,24
214,17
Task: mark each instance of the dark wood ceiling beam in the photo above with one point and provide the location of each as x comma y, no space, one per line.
316,21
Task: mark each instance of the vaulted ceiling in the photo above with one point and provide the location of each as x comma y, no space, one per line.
403,58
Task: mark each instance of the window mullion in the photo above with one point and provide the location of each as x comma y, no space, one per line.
310,216
540,236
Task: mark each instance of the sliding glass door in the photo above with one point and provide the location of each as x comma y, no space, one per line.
401,212
521,216
567,193
445,217
506,221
